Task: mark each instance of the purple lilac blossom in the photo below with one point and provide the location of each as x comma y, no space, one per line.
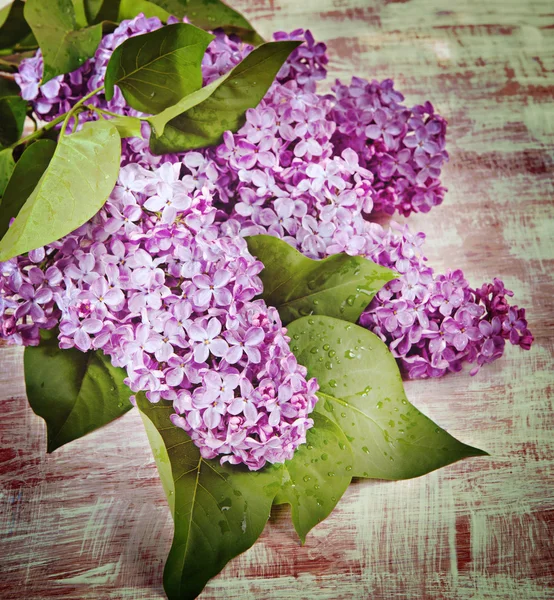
172,301
403,148
434,323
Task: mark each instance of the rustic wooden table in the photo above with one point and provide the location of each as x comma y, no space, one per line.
91,521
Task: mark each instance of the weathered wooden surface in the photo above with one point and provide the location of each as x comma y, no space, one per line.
91,522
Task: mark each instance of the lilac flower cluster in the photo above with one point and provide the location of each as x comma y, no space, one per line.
56,96
153,283
435,323
403,148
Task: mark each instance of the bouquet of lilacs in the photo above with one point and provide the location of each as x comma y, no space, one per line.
189,230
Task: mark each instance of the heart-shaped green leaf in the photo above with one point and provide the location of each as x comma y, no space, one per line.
74,187
219,511
64,46
212,14
157,69
13,110
74,392
25,177
7,165
13,27
317,476
200,119
339,286
361,390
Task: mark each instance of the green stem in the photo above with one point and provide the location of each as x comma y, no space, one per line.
102,111
31,116
77,106
38,133
62,118
75,122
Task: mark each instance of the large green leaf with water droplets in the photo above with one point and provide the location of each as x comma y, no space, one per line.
157,69
219,511
361,390
201,119
212,14
27,173
74,187
65,46
339,286
73,391
317,476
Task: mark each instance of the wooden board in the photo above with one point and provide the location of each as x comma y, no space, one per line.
91,521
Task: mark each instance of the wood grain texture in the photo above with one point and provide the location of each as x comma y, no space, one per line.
91,521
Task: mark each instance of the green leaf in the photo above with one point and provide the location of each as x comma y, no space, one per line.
106,10
129,9
361,390
157,69
119,10
73,391
338,286
7,165
80,13
219,511
201,119
92,8
317,476
64,46
13,110
127,126
74,187
25,177
13,27
212,14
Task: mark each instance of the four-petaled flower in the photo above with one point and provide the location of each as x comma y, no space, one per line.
215,288
206,339
244,344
